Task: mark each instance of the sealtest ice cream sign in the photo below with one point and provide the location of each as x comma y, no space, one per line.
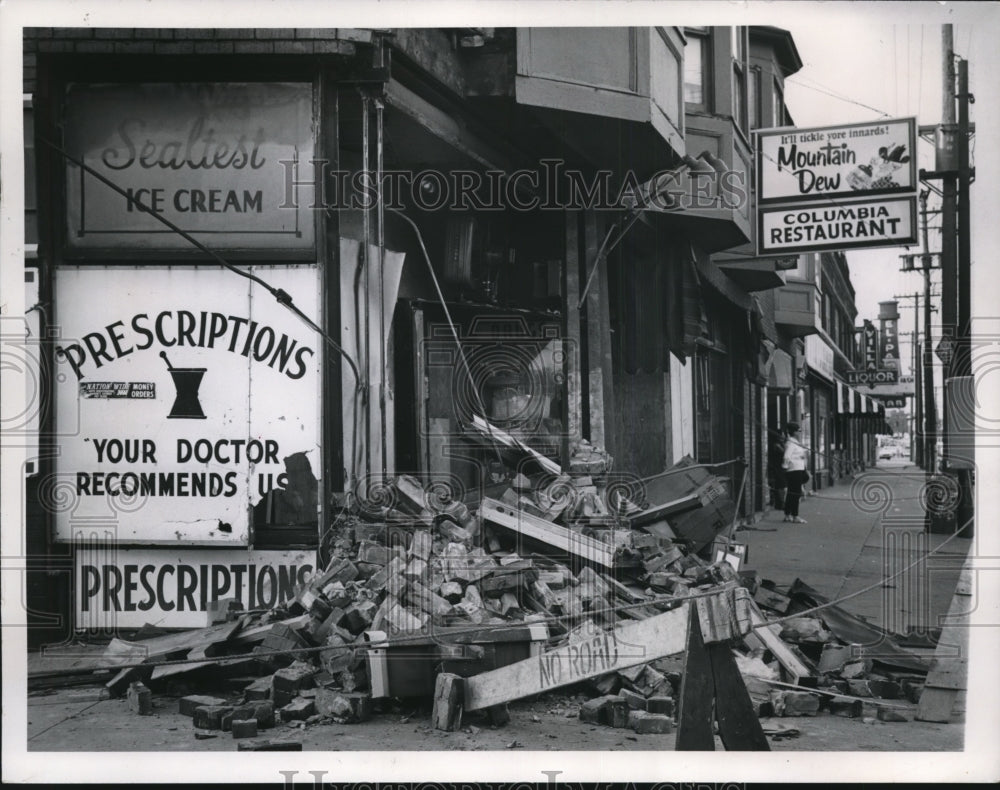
187,404
213,158
837,187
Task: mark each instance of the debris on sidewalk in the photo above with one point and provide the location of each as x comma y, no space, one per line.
418,591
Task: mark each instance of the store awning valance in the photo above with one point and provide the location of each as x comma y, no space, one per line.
780,371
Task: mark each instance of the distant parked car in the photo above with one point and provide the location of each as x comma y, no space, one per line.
886,453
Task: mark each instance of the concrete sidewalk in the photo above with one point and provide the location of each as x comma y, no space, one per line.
860,533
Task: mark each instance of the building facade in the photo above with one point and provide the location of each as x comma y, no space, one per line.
375,241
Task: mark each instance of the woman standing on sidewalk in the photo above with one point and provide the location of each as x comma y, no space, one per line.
794,464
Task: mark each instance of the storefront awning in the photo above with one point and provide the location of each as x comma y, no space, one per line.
854,402
780,371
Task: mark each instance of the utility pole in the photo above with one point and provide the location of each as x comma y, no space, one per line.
917,447
962,359
930,407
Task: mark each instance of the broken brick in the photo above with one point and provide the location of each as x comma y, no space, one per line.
339,657
329,702
261,711
188,705
633,700
844,706
650,723
416,571
888,714
590,711
794,703
660,704
140,699
451,592
244,728
209,717
260,689
420,545
615,713
298,709
358,616
269,745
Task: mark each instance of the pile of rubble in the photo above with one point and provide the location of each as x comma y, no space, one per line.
464,590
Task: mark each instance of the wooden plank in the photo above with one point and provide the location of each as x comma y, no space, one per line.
254,634
724,617
772,641
502,437
694,718
739,727
447,712
631,643
566,540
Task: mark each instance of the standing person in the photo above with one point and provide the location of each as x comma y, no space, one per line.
776,470
794,464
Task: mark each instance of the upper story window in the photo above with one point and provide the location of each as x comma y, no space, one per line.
696,54
753,97
741,67
777,105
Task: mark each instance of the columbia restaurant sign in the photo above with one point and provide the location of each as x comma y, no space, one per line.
188,400
836,187
216,159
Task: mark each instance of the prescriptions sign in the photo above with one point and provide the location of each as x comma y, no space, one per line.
127,588
187,404
216,159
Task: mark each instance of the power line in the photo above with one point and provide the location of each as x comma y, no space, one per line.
839,96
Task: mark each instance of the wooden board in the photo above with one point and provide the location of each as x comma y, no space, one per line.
559,537
772,641
739,727
694,718
631,643
491,432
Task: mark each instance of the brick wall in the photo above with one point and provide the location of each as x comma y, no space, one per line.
185,41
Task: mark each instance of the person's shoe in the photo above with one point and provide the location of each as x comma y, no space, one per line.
786,519
798,520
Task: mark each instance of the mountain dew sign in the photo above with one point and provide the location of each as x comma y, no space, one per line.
836,187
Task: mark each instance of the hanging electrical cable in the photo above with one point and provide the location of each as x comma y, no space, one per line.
281,296
451,325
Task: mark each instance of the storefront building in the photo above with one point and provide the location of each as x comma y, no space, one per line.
372,239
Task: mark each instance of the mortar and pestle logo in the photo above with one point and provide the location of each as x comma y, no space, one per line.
186,382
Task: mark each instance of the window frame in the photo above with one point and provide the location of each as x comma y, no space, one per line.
704,36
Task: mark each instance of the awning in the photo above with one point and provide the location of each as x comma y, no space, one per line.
853,402
780,371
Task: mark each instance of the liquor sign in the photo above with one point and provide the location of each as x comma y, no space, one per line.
836,226
216,159
187,404
903,387
872,377
819,163
127,588
889,343
869,346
